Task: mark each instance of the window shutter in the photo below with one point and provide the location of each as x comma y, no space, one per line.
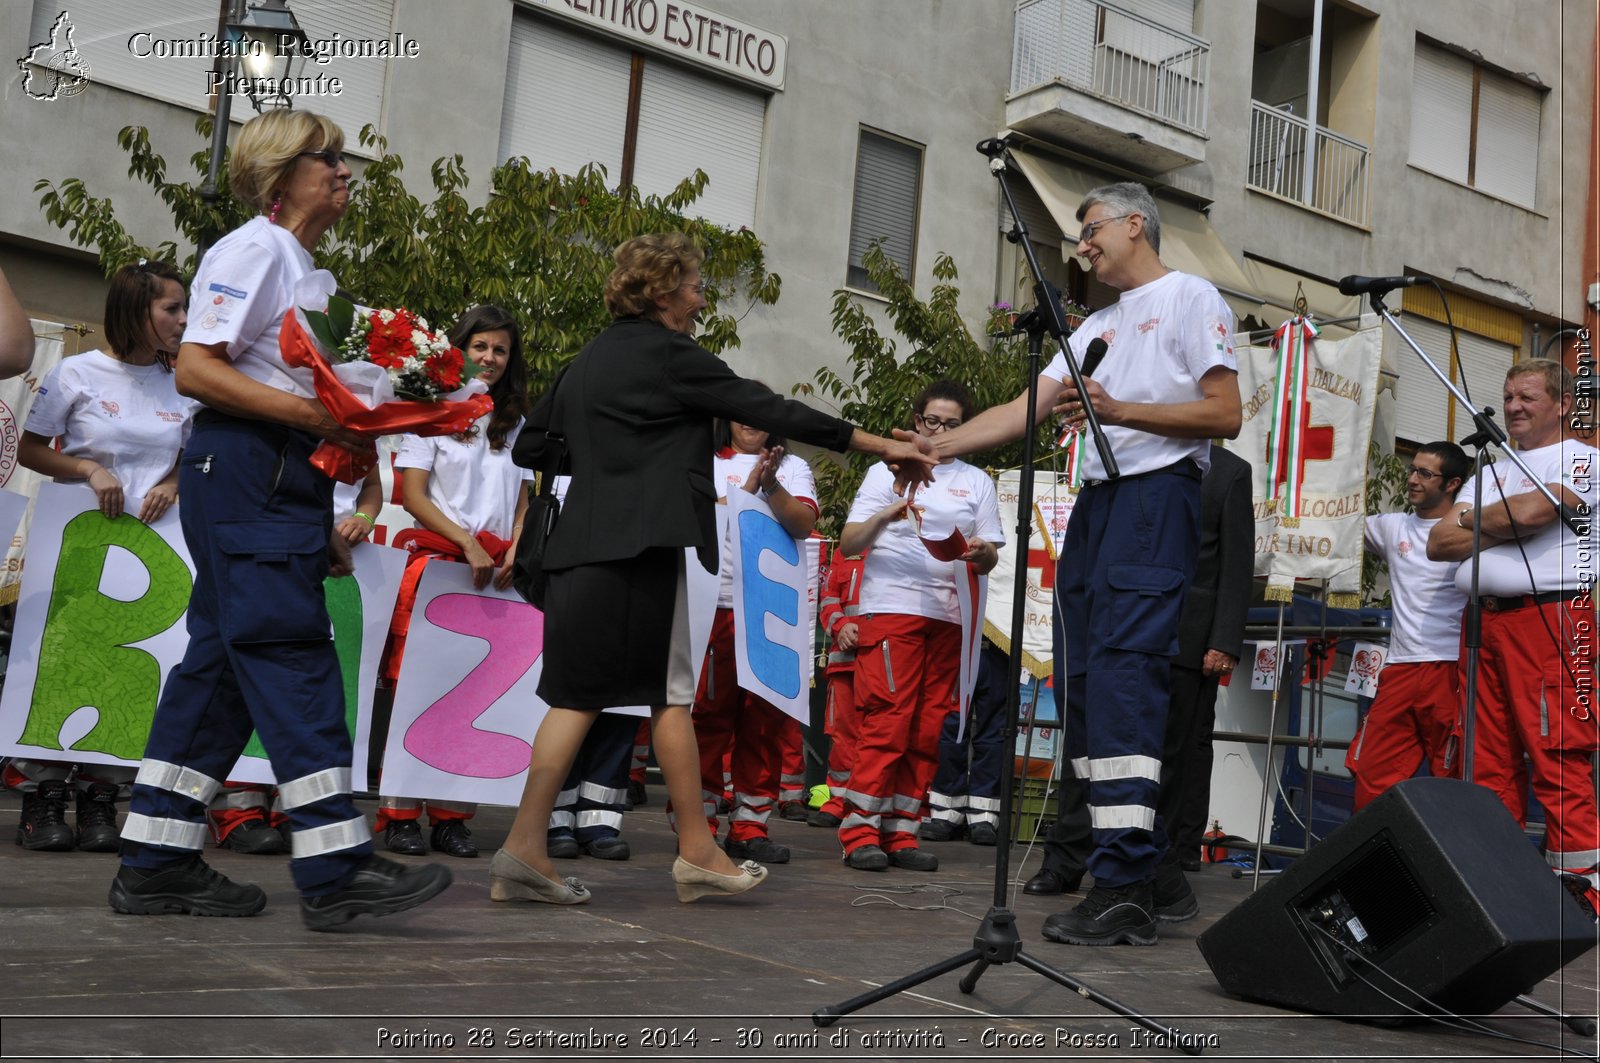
688,121
1508,139
1441,113
566,99
888,173
1424,410
360,100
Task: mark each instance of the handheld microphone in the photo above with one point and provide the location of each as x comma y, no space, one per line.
1358,285
1092,356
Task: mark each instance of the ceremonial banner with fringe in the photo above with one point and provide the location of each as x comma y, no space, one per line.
1308,406
1052,505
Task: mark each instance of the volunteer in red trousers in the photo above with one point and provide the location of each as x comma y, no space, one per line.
1536,688
839,610
468,500
909,638
120,424
1416,716
725,715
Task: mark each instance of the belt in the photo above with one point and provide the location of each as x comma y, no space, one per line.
1182,467
1522,601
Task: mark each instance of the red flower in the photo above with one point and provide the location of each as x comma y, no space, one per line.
445,369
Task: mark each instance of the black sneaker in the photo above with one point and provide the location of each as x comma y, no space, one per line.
380,887
761,849
97,819
867,858
189,887
1172,896
939,830
1107,916
819,817
608,848
983,834
452,836
404,836
793,810
637,794
43,826
913,859
565,847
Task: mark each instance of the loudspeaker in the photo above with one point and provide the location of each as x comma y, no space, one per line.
1431,893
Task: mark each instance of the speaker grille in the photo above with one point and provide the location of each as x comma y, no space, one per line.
1384,895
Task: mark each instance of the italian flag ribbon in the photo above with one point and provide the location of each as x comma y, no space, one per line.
1073,440
1291,407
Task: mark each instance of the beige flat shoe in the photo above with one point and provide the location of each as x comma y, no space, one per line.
510,879
696,882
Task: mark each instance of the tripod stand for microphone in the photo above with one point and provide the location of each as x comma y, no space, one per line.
997,941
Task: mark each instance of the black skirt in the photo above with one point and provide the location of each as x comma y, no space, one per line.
616,633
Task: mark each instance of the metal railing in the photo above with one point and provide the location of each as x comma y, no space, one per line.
1338,179
1122,57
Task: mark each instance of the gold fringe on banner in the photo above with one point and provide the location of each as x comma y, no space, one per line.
1344,600
1279,593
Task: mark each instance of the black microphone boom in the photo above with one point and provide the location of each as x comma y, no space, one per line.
1358,285
1092,356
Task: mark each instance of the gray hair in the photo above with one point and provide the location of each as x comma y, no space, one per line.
1128,197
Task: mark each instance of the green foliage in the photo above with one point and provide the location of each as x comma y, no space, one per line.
882,385
1386,493
540,246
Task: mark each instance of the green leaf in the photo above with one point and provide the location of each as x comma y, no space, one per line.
341,317
322,330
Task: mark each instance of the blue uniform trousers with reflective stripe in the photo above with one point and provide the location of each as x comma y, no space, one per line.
256,516
1128,558
969,778
595,794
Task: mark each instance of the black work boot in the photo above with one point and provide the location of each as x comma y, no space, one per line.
189,887
97,819
1109,915
380,887
43,826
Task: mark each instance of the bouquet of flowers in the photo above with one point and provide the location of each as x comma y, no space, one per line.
377,371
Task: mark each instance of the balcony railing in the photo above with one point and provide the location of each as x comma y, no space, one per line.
1338,179
1103,50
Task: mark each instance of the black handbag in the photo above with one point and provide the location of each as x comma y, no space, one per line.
528,577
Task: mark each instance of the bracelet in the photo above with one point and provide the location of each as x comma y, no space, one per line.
366,517
1459,515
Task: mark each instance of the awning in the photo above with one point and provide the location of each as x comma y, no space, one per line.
1188,242
1278,287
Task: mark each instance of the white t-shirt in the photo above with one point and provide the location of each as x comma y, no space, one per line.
1559,562
1161,338
239,296
129,418
1427,605
730,469
900,575
474,486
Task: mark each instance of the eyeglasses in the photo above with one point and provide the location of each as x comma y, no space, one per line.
699,287
1426,474
327,155
1089,230
934,424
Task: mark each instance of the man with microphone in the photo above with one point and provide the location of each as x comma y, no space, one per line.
1536,673
1167,386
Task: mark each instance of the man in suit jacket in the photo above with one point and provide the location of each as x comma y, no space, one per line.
1210,636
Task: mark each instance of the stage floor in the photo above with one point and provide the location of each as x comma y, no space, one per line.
636,975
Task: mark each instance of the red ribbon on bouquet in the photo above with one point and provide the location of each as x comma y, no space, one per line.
441,418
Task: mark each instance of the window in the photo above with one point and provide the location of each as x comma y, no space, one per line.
574,98
888,187
1424,410
1474,125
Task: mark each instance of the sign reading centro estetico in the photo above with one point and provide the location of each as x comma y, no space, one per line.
687,31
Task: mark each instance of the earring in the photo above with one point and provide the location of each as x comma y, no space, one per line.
277,205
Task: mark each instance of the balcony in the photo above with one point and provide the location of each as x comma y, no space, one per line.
1339,176
1090,75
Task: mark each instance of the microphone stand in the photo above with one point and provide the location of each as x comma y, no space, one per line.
997,941
1487,433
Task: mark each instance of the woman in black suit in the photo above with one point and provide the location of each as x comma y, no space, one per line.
636,408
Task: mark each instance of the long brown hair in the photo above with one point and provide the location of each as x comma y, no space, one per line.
510,392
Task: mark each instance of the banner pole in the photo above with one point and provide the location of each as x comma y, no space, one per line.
1266,773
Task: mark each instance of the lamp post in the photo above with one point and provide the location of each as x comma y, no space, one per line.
273,48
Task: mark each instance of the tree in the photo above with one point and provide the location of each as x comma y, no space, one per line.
882,385
540,246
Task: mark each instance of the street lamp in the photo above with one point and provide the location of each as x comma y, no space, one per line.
274,47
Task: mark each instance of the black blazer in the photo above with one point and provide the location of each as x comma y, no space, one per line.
1219,596
636,407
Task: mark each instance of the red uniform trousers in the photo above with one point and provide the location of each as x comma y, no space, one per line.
907,675
1536,698
641,752
1416,717
843,725
731,722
